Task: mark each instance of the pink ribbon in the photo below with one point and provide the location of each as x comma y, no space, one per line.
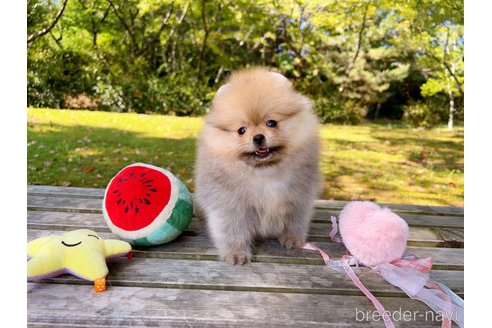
345,264
334,229
409,274
417,285
435,295
421,265
313,247
382,312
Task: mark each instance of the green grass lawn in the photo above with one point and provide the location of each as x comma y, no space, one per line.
379,162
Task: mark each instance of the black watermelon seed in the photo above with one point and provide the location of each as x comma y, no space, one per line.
126,209
147,194
115,192
136,209
119,201
146,201
141,175
140,199
132,175
153,190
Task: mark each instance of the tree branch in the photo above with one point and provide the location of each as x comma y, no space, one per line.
164,22
47,29
455,78
171,35
204,42
450,71
351,64
128,29
57,40
105,14
361,31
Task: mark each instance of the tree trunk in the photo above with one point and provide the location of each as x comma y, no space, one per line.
451,110
94,33
378,107
450,92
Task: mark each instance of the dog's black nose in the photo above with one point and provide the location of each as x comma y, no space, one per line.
259,139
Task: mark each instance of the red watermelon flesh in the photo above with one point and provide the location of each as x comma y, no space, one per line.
136,196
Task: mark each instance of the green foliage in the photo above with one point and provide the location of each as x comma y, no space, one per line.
54,74
334,110
423,114
171,56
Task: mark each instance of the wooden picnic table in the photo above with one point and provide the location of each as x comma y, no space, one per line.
184,284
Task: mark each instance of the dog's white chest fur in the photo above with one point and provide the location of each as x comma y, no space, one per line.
268,200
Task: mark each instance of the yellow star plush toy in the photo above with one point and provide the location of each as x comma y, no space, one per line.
79,252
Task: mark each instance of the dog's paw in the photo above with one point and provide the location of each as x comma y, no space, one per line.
289,241
237,258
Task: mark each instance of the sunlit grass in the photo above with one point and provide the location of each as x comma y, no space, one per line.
393,164
379,162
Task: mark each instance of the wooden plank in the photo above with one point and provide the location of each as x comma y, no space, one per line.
95,219
400,208
65,204
70,220
71,305
269,251
183,283
416,220
54,191
76,205
265,277
417,236
452,237
319,232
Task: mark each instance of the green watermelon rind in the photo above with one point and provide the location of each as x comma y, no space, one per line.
183,209
177,223
169,224
164,234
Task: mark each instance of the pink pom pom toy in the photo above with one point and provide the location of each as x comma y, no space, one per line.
377,238
373,235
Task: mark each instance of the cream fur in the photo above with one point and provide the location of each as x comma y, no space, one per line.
244,198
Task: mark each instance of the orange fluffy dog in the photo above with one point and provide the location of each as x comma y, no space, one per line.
257,171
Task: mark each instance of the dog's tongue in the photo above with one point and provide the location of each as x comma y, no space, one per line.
262,151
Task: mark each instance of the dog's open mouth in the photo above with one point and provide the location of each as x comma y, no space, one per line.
264,152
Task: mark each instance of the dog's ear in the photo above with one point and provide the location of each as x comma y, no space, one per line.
223,89
280,77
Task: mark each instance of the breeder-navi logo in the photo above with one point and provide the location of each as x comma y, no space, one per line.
402,315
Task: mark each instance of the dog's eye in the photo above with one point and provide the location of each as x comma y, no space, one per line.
271,123
241,131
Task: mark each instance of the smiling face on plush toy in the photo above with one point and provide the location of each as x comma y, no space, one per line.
80,252
76,235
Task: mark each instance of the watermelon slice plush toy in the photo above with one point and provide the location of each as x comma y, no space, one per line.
147,205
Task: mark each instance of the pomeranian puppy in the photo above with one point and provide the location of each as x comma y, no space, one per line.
257,171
